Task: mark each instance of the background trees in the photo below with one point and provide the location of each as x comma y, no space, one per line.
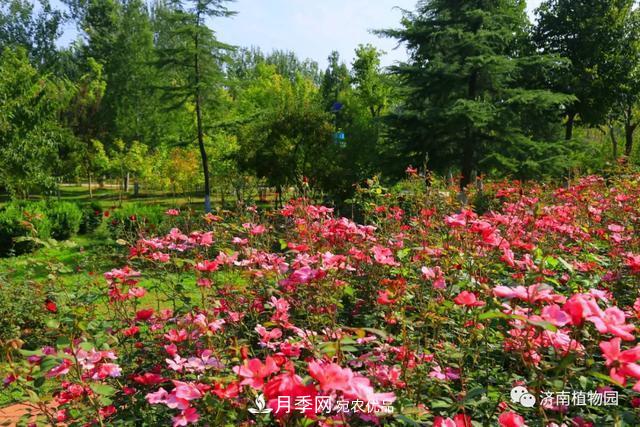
463,85
32,138
591,35
484,90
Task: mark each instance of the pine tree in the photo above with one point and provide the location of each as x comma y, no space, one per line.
193,56
463,82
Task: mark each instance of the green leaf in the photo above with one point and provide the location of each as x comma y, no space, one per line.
348,290
87,346
551,261
63,342
494,314
52,323
382,334
38,382
606,378
33,397
402,253
565,362
479,391
48,363
407,421
440,404
565,264
543,324
103,389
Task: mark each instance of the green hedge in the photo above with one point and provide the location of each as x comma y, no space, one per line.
132,220
91,218
21,220
22,312
65,218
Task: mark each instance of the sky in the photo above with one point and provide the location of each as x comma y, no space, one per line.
311,28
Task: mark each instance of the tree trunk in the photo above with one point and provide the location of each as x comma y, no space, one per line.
203,152
569,126
468,145
629,129
467,164
614,141
90,188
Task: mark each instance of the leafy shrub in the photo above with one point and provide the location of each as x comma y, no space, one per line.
129,221
91,218
23,312
20,220
65,218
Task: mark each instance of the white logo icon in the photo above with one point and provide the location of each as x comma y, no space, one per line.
522,396
261,406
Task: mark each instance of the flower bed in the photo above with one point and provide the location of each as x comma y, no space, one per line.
429,313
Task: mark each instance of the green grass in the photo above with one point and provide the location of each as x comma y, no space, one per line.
110,198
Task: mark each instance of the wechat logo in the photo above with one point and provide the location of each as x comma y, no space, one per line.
522,396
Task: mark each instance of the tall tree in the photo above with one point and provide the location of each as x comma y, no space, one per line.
334,80
290,132
626,86
371,84
462,81
36,32
130,104
81,117
193,55
31,136
591,35
288,65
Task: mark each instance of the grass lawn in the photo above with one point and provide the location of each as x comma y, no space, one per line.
109,197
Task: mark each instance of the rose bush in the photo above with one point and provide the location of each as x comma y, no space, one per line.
427,312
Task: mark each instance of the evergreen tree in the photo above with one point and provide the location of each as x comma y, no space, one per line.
193,56
462,82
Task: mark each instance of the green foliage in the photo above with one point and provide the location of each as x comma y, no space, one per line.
91,218
371,84
20,223
132,220
31,137
65,219
335,80
590,35
26,225
463,84
22,27
22,312
289,136
147,88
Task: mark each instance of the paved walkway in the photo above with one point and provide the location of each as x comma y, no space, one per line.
10,415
